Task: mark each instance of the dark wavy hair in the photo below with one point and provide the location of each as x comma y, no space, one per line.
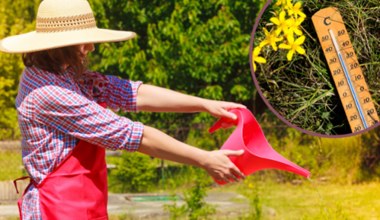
54,60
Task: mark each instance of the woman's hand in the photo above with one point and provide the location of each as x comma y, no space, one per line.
221,109
220,167
157,144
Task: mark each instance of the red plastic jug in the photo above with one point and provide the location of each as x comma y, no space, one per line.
258,154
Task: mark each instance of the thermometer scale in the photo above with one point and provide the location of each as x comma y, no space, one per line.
345,69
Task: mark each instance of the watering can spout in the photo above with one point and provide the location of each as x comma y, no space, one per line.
258,154
222,123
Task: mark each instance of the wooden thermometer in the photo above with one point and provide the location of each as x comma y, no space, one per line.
345,69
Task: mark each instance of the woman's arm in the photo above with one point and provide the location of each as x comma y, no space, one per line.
157,99
216,163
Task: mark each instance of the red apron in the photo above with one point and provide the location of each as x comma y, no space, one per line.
77,189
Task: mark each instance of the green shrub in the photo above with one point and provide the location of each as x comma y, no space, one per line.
370,163
252,192
340,158
134,172
344,160
195,207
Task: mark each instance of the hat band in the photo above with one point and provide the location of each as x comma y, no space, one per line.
59,24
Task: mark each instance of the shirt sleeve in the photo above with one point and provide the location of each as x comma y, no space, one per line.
119,94
72,113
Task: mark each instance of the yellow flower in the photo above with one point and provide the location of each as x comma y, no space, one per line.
293,46
281,3
270,39
256,58
294,26
295,9
251,186
281,22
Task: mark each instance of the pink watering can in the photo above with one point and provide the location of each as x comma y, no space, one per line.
258,154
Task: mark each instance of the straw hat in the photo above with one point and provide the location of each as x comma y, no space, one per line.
59,24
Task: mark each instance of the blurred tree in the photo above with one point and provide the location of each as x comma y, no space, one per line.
199,48
196,47
15,17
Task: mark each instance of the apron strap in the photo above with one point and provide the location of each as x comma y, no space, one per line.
19,201
18,179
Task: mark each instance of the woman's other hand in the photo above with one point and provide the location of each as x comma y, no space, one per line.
220,167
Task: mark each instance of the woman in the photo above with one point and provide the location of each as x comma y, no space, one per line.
66,126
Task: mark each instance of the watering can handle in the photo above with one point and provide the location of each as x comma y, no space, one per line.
225,122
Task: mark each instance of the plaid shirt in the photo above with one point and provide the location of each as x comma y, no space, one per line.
55,111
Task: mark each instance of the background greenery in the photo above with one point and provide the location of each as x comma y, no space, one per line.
199,48
302,90
196,47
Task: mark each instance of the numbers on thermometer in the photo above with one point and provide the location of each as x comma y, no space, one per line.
341,32
349,54
345,69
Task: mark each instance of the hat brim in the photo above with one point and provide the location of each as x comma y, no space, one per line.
35,41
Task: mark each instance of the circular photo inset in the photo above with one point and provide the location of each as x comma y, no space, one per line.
316,64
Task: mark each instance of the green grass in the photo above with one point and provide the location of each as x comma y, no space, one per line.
319,201
10,165
302,90
315,201
308,201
